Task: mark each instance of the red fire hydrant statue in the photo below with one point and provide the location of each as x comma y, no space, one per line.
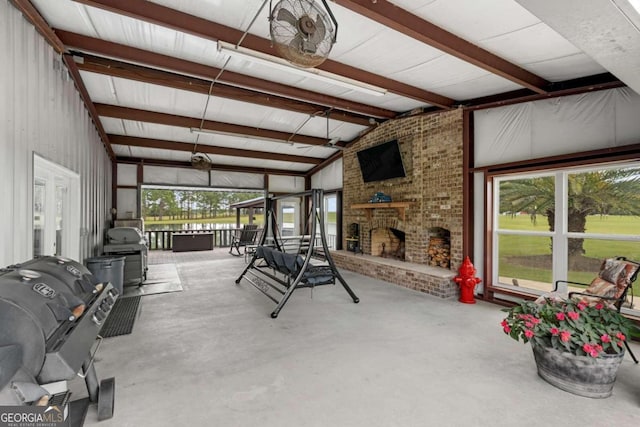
467,281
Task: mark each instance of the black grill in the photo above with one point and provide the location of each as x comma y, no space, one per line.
51,311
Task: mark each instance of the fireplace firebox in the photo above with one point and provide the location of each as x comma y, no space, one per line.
388,243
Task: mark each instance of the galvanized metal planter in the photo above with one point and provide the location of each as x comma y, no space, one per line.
582,375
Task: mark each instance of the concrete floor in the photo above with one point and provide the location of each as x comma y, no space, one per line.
212,356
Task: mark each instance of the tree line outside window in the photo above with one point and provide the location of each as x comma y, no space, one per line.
172,204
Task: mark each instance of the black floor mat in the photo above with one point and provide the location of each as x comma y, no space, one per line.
122,317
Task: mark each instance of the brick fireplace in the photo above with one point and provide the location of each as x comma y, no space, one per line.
427,205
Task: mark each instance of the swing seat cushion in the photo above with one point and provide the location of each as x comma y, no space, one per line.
290,265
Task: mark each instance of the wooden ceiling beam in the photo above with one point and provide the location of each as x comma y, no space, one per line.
217,167
208,149
190,24
138,73
140,56
134,114
392,16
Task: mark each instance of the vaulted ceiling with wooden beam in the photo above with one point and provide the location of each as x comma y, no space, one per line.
167,79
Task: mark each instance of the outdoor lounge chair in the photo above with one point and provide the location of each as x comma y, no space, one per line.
243,237
612,286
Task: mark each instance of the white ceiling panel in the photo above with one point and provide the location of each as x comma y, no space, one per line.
132,32
508,30
173,133
132,94
606,30
66,15
471,20
245,143
154,153
182,156
233,13
121,150
557,41
531,46
94,22
483,85
147,130
260,163
566,68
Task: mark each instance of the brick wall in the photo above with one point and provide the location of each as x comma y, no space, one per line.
431,147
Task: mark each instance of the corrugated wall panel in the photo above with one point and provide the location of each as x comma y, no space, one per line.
42,112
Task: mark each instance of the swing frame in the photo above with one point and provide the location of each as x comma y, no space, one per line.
304,273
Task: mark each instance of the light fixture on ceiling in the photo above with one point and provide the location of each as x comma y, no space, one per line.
313,73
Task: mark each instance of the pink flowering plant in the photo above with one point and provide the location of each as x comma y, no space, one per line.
569,326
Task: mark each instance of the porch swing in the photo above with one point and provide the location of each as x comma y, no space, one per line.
272,269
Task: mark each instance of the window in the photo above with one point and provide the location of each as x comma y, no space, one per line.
560,224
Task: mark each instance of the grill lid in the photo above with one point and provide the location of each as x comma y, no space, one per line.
120,235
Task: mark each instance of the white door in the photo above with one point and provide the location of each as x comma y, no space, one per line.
289,212
330,219
56,210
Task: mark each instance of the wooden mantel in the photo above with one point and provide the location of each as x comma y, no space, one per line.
369,207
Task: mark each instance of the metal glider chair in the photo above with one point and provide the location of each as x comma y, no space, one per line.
612,286
243,237
277,273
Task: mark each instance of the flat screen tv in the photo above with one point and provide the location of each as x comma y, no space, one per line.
381,162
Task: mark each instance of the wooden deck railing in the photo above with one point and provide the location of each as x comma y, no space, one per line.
163,239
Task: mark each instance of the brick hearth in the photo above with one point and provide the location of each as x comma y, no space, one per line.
431,147
432,280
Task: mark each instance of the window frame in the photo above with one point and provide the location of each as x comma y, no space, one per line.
560,235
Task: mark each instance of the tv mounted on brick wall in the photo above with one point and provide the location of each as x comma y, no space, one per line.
381,162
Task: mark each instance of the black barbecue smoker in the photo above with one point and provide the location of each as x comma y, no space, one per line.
51,313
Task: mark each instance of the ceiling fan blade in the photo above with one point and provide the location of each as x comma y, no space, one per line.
318,35
287,16
297,42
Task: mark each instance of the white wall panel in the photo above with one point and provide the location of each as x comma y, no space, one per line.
557,126
127,203
174,176
286,184
41,112
162,175
127,174
222,179
328,178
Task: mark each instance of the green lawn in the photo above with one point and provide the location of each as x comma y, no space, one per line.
527,257
612,224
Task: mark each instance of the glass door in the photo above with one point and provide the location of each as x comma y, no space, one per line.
39,219
61,204
330,219
56,205
289,212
